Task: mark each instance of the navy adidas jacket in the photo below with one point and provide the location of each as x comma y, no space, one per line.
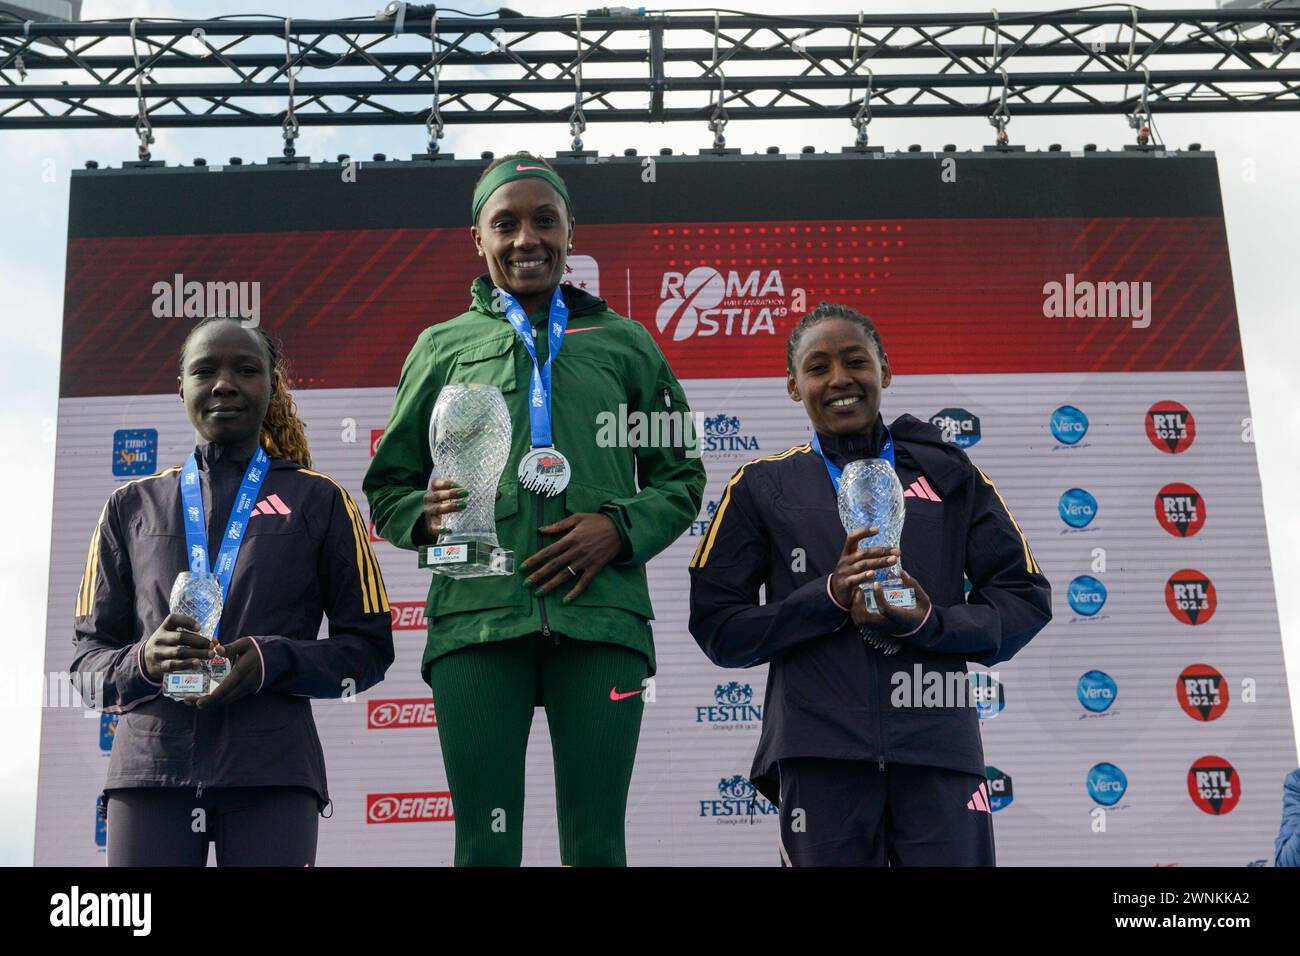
306,552
828,691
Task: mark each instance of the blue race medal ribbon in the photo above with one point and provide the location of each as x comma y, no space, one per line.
544,469
196,530
835,471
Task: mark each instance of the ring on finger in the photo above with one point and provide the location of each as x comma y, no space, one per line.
571,571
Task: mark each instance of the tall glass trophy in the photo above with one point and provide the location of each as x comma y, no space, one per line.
196,594
469,438
871,495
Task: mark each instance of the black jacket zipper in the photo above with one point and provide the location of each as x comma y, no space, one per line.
541,601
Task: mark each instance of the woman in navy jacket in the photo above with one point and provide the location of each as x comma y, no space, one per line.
874,758
242,766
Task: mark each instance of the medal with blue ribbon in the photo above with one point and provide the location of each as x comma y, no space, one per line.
544,469
835,471
196,529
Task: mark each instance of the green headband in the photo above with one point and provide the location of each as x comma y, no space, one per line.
511,170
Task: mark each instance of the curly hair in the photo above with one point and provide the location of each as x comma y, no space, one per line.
283,433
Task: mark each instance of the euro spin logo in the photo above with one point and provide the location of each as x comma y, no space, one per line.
1069,425
1171,427
722,434
733,707
704,302
1000,793
1077,508
986,694
135,452
1214,785
1190,597
737,798
107,730
1096,691
959,426
1180,509
701,525
1107,784
1202,692
1086,595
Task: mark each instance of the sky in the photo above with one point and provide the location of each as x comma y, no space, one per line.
1259,177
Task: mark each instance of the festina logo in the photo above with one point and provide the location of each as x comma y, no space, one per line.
75,908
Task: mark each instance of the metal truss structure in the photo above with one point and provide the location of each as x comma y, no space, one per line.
418,65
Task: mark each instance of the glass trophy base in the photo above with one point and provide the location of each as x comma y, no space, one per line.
467,559
186,685
897,596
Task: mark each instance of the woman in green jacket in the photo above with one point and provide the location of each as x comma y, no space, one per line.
570,630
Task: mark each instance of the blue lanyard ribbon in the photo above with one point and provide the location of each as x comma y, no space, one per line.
196,529
539,399
834,470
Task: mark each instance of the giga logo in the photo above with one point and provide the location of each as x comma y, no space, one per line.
733,707
409,807
703,302
1069,425
1086,595
1180,509
107,730
1171,427
987,694
1000,795
701,525
413,712
959,426
722,434
1097,691
1190,596
1077,508
736,798
1214,785
1202,693
1107,784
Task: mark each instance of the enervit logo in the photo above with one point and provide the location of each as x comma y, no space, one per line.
1000,795
1106,784
1069,425
408,615
1202,692
1190,596
1097,691
428,807
986,694
959,426
722,434
1086,595
107,730
390,714
701,525
737,798
733,704
374,533
1077,508
1171,427
375,435
1214,785
1180,509
135,452
704,302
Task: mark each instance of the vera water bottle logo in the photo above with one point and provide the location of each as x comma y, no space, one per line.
1069,425
1107,784
1077,508
1086,595
1096,691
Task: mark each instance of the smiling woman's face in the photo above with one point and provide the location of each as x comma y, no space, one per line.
839,377
226,383
524,232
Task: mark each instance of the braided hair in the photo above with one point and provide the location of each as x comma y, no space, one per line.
283,433
830,310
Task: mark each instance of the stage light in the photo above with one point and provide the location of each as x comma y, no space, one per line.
343,157
773,150
91,164
236,161
629,152
486,154
1194,147
809,149
914,148
665,151
950,148
1054,148
1090,147
379,157
200,161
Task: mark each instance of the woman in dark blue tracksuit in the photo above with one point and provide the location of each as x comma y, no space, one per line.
874,758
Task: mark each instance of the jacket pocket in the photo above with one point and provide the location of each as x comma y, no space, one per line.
614,585
486,363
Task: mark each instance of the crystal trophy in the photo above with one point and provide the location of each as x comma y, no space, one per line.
196,594
871,495
469,438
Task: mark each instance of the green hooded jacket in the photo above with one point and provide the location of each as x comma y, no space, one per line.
652,492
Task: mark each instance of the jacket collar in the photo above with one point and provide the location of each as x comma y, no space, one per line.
842,449
578,301
211,454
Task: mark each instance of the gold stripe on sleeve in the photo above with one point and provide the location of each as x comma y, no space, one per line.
1031,565
705,546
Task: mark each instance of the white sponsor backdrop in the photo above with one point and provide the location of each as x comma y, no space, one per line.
685,807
